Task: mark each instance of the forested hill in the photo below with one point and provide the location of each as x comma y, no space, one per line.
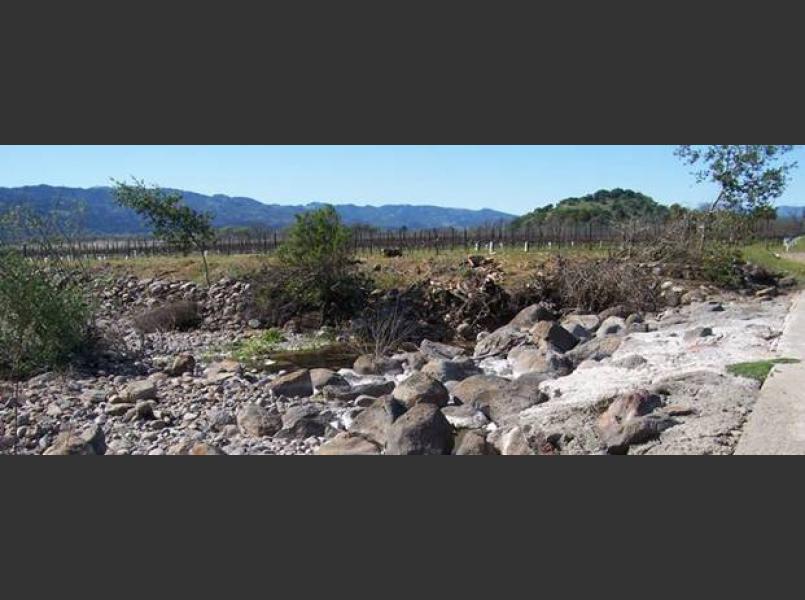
604,206
102,216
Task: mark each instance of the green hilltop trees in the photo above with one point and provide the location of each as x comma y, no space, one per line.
602,207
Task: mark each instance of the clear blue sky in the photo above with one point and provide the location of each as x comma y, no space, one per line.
513,179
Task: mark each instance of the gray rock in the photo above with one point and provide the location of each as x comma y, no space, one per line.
419,388
588,323
91,441
346,393
611,326
530,316
522,440
368,364
438,351
205,449
140,390
628,420
472,443
320,378
465,417
94,396
596,349
512,442
116,410
304,421
374,422
348,444
529,359
451,370
184,363
551,334
505,405
255,421
421,430
219,418
578,331
471,388
500,342
293,385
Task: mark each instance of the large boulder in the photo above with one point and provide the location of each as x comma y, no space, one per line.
530,316
293,385
504,405
439,351
549,334
419,388
628,420
348,444
374,422
255,421
500,342
530,359
451,370
467,391
596,349
320,378
303,421
421,430
89,442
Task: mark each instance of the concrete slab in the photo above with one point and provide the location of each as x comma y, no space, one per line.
777,423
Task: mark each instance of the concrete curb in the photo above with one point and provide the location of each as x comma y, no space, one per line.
777,424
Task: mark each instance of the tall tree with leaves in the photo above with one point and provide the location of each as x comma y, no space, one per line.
169,218
749,177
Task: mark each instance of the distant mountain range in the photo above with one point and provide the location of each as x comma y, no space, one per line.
788,212
102,215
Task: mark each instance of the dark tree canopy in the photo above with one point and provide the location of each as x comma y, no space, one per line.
750,177
604,206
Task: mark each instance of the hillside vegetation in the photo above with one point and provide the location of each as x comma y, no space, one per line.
604,206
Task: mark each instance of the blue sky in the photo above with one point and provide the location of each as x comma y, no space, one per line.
513,179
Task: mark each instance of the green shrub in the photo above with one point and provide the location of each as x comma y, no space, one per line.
719,262
44,317
316,273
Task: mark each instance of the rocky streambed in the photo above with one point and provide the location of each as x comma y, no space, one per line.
611,383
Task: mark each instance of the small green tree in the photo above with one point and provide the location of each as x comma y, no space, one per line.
317,248
170,219
749,176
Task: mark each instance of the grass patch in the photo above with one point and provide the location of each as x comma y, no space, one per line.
764,256
271,351
258,347
758,370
